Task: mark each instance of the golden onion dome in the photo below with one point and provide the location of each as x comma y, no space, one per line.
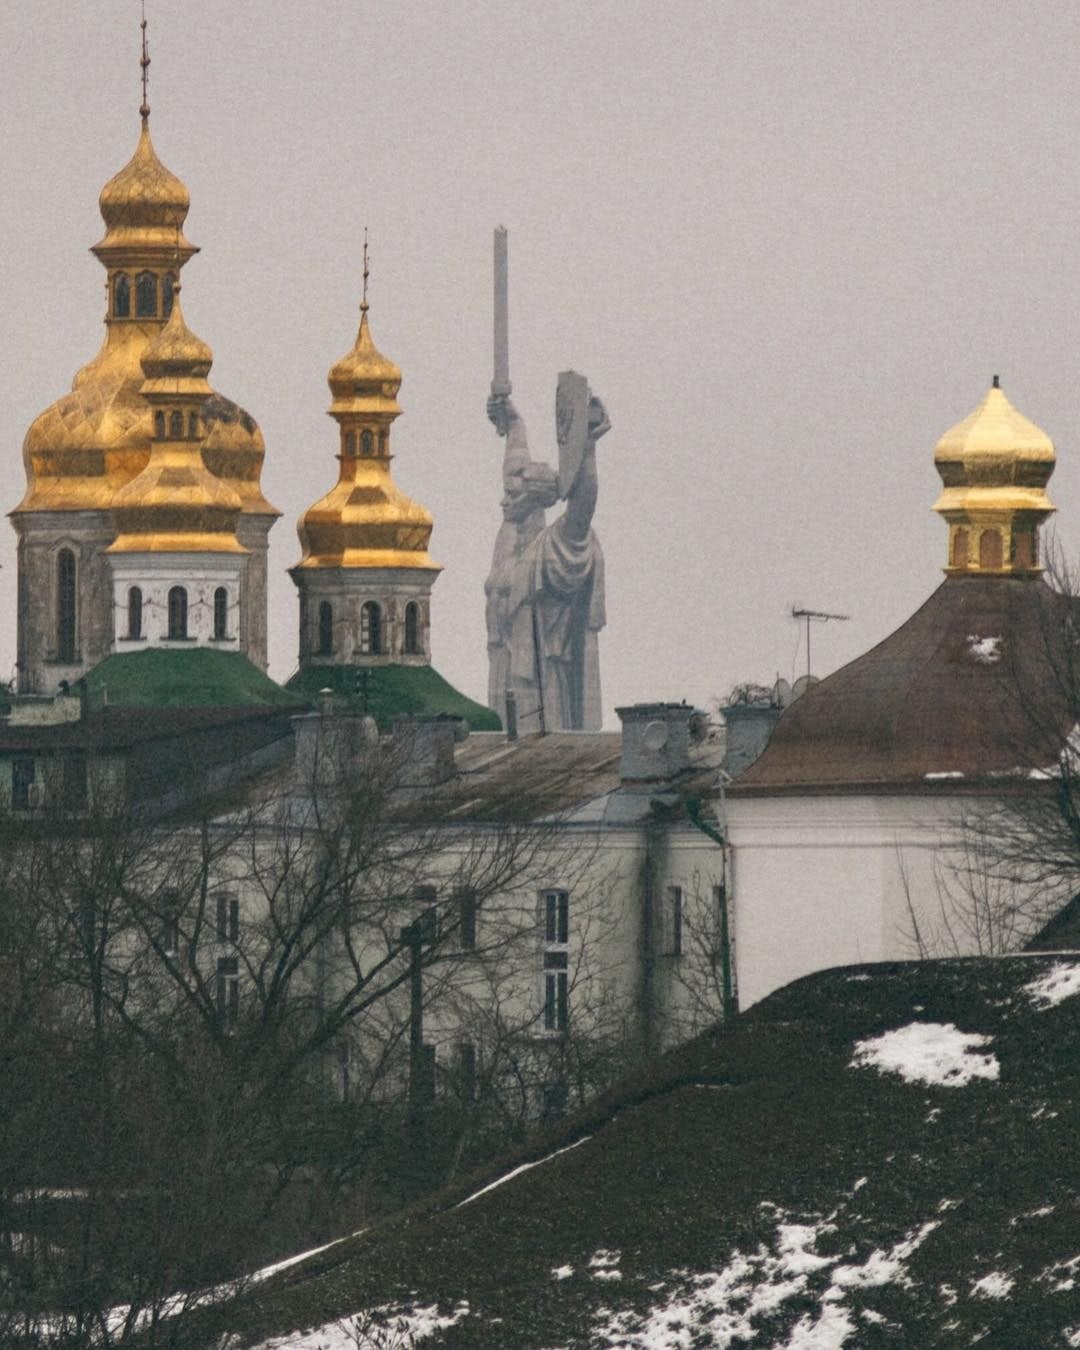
92,441
176,505
176,360
994,467
366,521
998,450
364,381
144,205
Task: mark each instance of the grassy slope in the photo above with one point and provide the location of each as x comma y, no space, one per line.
732,1137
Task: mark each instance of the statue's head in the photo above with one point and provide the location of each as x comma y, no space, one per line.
528,486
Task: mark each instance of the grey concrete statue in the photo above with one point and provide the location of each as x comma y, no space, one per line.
545,592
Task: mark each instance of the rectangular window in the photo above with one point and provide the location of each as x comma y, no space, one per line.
228,918
228,990
557,917
22,781
555,989
466,915
466,1052
672,935
74,780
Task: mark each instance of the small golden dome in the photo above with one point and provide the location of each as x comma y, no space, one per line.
994,467
996,430
364,381
144,204
176,356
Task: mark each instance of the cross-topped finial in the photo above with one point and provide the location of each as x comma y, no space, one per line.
363,302
144,109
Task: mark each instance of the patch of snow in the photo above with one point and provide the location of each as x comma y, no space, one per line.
1039,1213
937,1053
931,1116
562,1272
874,1318
851,979
407,1324
882,1267
859,1184
944,773
720,1307
985,650
1072,1335
525,1167
995,1285
829,1332
1060,982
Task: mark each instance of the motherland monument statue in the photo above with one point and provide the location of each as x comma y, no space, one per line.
545,591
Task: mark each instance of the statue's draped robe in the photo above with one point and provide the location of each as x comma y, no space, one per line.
545,607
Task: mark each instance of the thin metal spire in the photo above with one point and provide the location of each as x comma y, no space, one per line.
363,302
144,109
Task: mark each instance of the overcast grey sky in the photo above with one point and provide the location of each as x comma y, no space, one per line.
789,244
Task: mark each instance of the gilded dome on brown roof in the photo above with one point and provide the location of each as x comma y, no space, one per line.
994,467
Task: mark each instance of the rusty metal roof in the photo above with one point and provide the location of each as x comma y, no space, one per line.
973,686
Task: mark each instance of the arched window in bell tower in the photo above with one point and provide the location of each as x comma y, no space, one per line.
960,548
350,445
121,296
176,426
370,628
990,549
178,608
221,613
134,612
326,628
168,285
412,629
65,605
146,296
366,442
159,425
193,426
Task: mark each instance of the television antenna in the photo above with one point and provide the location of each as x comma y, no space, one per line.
814,616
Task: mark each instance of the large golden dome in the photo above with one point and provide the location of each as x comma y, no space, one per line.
83,448
365,520
994,467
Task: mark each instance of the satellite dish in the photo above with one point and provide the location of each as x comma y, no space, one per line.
781,693
802,684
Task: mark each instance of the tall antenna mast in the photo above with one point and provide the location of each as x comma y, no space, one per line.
816,616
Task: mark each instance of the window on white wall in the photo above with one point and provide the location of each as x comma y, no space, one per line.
555,973
671,930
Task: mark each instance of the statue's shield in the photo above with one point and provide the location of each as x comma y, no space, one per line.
571,426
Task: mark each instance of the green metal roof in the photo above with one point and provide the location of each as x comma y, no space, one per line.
171,677
386,692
